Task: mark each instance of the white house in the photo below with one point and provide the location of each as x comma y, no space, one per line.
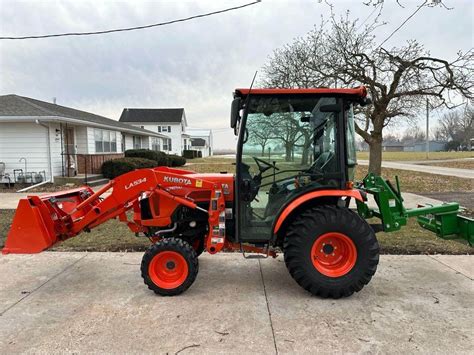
201,140
170,122
38,136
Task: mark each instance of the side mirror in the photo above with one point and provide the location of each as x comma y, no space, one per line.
234,112
330,108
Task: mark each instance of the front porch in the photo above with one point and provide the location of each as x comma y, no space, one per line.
85,164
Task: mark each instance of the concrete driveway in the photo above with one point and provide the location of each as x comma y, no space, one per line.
97,302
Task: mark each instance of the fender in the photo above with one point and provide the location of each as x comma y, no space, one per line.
310,196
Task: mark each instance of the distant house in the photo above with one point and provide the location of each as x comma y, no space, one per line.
62,141
201,140
434,146
392,146
170,122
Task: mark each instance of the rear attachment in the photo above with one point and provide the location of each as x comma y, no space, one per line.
444,219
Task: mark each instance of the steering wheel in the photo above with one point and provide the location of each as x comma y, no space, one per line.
264,165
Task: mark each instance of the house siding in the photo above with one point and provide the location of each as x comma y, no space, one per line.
27,140
128,142
175,135
82,136
55,144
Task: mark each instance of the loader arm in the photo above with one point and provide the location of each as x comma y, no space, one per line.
42,221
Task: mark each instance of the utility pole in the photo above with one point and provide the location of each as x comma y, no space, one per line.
427,138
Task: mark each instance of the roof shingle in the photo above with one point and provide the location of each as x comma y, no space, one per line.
15,105
163,115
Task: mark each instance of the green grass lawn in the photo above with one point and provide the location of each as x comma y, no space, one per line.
401,156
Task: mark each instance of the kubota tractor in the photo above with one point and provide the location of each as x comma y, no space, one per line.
291,192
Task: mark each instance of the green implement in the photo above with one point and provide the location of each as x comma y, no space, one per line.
443,219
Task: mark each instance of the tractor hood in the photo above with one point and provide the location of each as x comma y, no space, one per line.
225,179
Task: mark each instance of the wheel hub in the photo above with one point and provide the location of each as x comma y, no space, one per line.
168,269
333,254
328,249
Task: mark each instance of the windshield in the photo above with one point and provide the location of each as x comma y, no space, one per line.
289,145
293,133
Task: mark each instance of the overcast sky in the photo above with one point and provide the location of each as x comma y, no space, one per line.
195,65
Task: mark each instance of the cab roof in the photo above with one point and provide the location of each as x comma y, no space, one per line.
360,91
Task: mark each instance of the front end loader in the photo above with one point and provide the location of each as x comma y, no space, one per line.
291,193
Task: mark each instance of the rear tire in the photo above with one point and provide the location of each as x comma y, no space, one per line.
331,251
169,267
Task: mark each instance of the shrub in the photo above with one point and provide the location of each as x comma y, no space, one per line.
160,157
190,154
176,160
116,167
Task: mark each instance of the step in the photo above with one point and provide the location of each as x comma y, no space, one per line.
78,180
93,177
97,182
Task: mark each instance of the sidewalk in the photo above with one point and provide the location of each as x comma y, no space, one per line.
430,169
97,302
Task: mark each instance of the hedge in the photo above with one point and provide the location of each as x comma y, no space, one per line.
191,154
139,159
113,168
176,160
160,157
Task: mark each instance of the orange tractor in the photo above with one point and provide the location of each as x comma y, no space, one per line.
291,192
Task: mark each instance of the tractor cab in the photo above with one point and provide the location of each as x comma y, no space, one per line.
290,142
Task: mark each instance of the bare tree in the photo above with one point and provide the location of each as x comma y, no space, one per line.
398,79
413,133
457,127
287,129
261,132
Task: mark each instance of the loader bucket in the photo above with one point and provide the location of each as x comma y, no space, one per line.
42,221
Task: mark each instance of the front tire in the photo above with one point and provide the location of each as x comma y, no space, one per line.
331,251
169,267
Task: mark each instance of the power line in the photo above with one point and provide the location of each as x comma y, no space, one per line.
133,28
403,23
370,15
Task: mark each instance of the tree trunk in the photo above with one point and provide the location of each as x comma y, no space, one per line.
288,151
305,154
263,150
375,155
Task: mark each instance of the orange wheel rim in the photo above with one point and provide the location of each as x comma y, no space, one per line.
333,254
168,269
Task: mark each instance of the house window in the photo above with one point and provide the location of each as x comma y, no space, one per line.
105,141
164,129
99,144
137,142
155,144
113,141
167,144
